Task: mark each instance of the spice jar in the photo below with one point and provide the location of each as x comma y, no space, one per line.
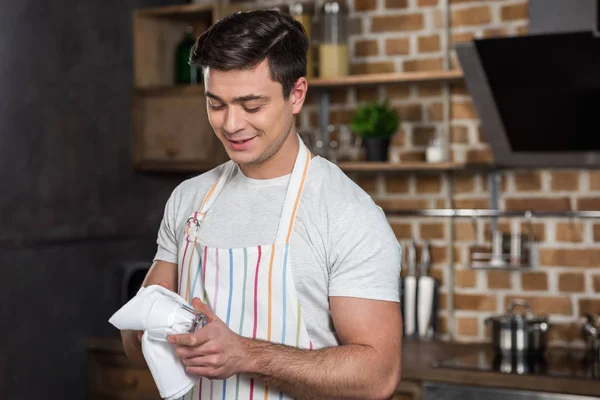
301,13
333,47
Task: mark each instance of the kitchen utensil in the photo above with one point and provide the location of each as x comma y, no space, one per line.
513,332
410,290
426,295
591,331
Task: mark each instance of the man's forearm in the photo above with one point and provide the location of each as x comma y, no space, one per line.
342,372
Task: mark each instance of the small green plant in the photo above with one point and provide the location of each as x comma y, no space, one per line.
375,120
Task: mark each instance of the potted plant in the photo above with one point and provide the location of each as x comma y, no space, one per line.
375,123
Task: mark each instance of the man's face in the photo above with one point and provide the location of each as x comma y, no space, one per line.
249,114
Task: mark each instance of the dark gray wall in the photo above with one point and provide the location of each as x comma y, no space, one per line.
71,207
554,16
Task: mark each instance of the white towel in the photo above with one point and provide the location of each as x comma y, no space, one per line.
157,311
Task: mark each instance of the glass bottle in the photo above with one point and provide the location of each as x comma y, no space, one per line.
184,73
333,47
301,13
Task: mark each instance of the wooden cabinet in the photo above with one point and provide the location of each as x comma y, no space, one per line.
112,376
408,390
170,122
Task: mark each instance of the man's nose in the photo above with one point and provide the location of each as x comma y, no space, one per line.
234,120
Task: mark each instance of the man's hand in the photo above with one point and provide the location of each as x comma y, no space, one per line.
214,351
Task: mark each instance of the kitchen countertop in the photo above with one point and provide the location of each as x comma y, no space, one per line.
418,359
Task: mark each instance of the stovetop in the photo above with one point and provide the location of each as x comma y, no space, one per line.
556,362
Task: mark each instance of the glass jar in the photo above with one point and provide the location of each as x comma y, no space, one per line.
333,46
301,12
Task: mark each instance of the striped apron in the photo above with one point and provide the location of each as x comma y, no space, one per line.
250,289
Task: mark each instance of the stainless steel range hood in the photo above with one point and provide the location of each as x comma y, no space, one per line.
538,96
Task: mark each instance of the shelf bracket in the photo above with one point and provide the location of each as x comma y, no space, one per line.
493,183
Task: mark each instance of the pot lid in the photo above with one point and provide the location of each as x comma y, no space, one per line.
512,315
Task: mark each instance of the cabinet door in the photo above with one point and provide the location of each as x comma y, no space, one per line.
408,390
172,132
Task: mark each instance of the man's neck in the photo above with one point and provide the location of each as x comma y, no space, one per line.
280,164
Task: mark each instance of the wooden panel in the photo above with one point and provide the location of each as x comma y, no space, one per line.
154,42
171,130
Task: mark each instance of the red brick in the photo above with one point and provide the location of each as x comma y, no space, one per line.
429,89
365,5
459,134
571,282
397,91
397,46
397,23
557,257
588,203
545,304
480,156
427,44
427,3
569,232
596,283
596,232
475,302
568,332
367,182
428,184
465,278
366,94
472,16
463,110
425,64
472,203
401,204
594,179
589,306
534,281
402,231
528,181
373,67
537,230
499,280
565,181
463,183
514,12
422,135
467,326
393,4
462,37
464,232
435,230
410,112
399,139
538,204
365,48
396,184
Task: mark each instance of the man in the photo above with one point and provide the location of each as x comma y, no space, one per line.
296,267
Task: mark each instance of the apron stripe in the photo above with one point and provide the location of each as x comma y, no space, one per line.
284,286
230,285
204,275
256,294
241,330
252,389
197,275
216,297
270,291
200,389
287,240
298,326
211,389
208,195
187,286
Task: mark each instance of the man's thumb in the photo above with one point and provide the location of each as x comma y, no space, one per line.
204,309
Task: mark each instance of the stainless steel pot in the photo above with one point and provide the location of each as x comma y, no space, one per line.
591,331
519,333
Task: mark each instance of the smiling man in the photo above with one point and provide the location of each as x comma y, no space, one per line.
296,266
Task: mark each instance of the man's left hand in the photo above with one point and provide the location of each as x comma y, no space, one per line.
214,351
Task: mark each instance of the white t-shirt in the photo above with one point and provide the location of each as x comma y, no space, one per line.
341,245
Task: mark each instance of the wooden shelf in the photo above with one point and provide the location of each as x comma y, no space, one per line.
377,79
372,166
177,11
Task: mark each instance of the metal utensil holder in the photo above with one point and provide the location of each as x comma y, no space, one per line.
504,251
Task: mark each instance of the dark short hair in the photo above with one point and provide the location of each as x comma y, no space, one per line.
242,40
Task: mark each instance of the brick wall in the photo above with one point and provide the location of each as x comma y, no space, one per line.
408,35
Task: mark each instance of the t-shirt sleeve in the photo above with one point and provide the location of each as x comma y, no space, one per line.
167,239
365,256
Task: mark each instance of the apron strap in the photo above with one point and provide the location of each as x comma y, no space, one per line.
214,191
293,194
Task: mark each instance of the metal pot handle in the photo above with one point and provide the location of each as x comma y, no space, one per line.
519,303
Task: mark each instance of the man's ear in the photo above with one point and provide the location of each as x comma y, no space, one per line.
298,95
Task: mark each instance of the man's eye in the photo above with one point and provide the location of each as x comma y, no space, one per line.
252,110
216,106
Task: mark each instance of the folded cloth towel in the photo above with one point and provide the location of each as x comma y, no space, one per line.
160,313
